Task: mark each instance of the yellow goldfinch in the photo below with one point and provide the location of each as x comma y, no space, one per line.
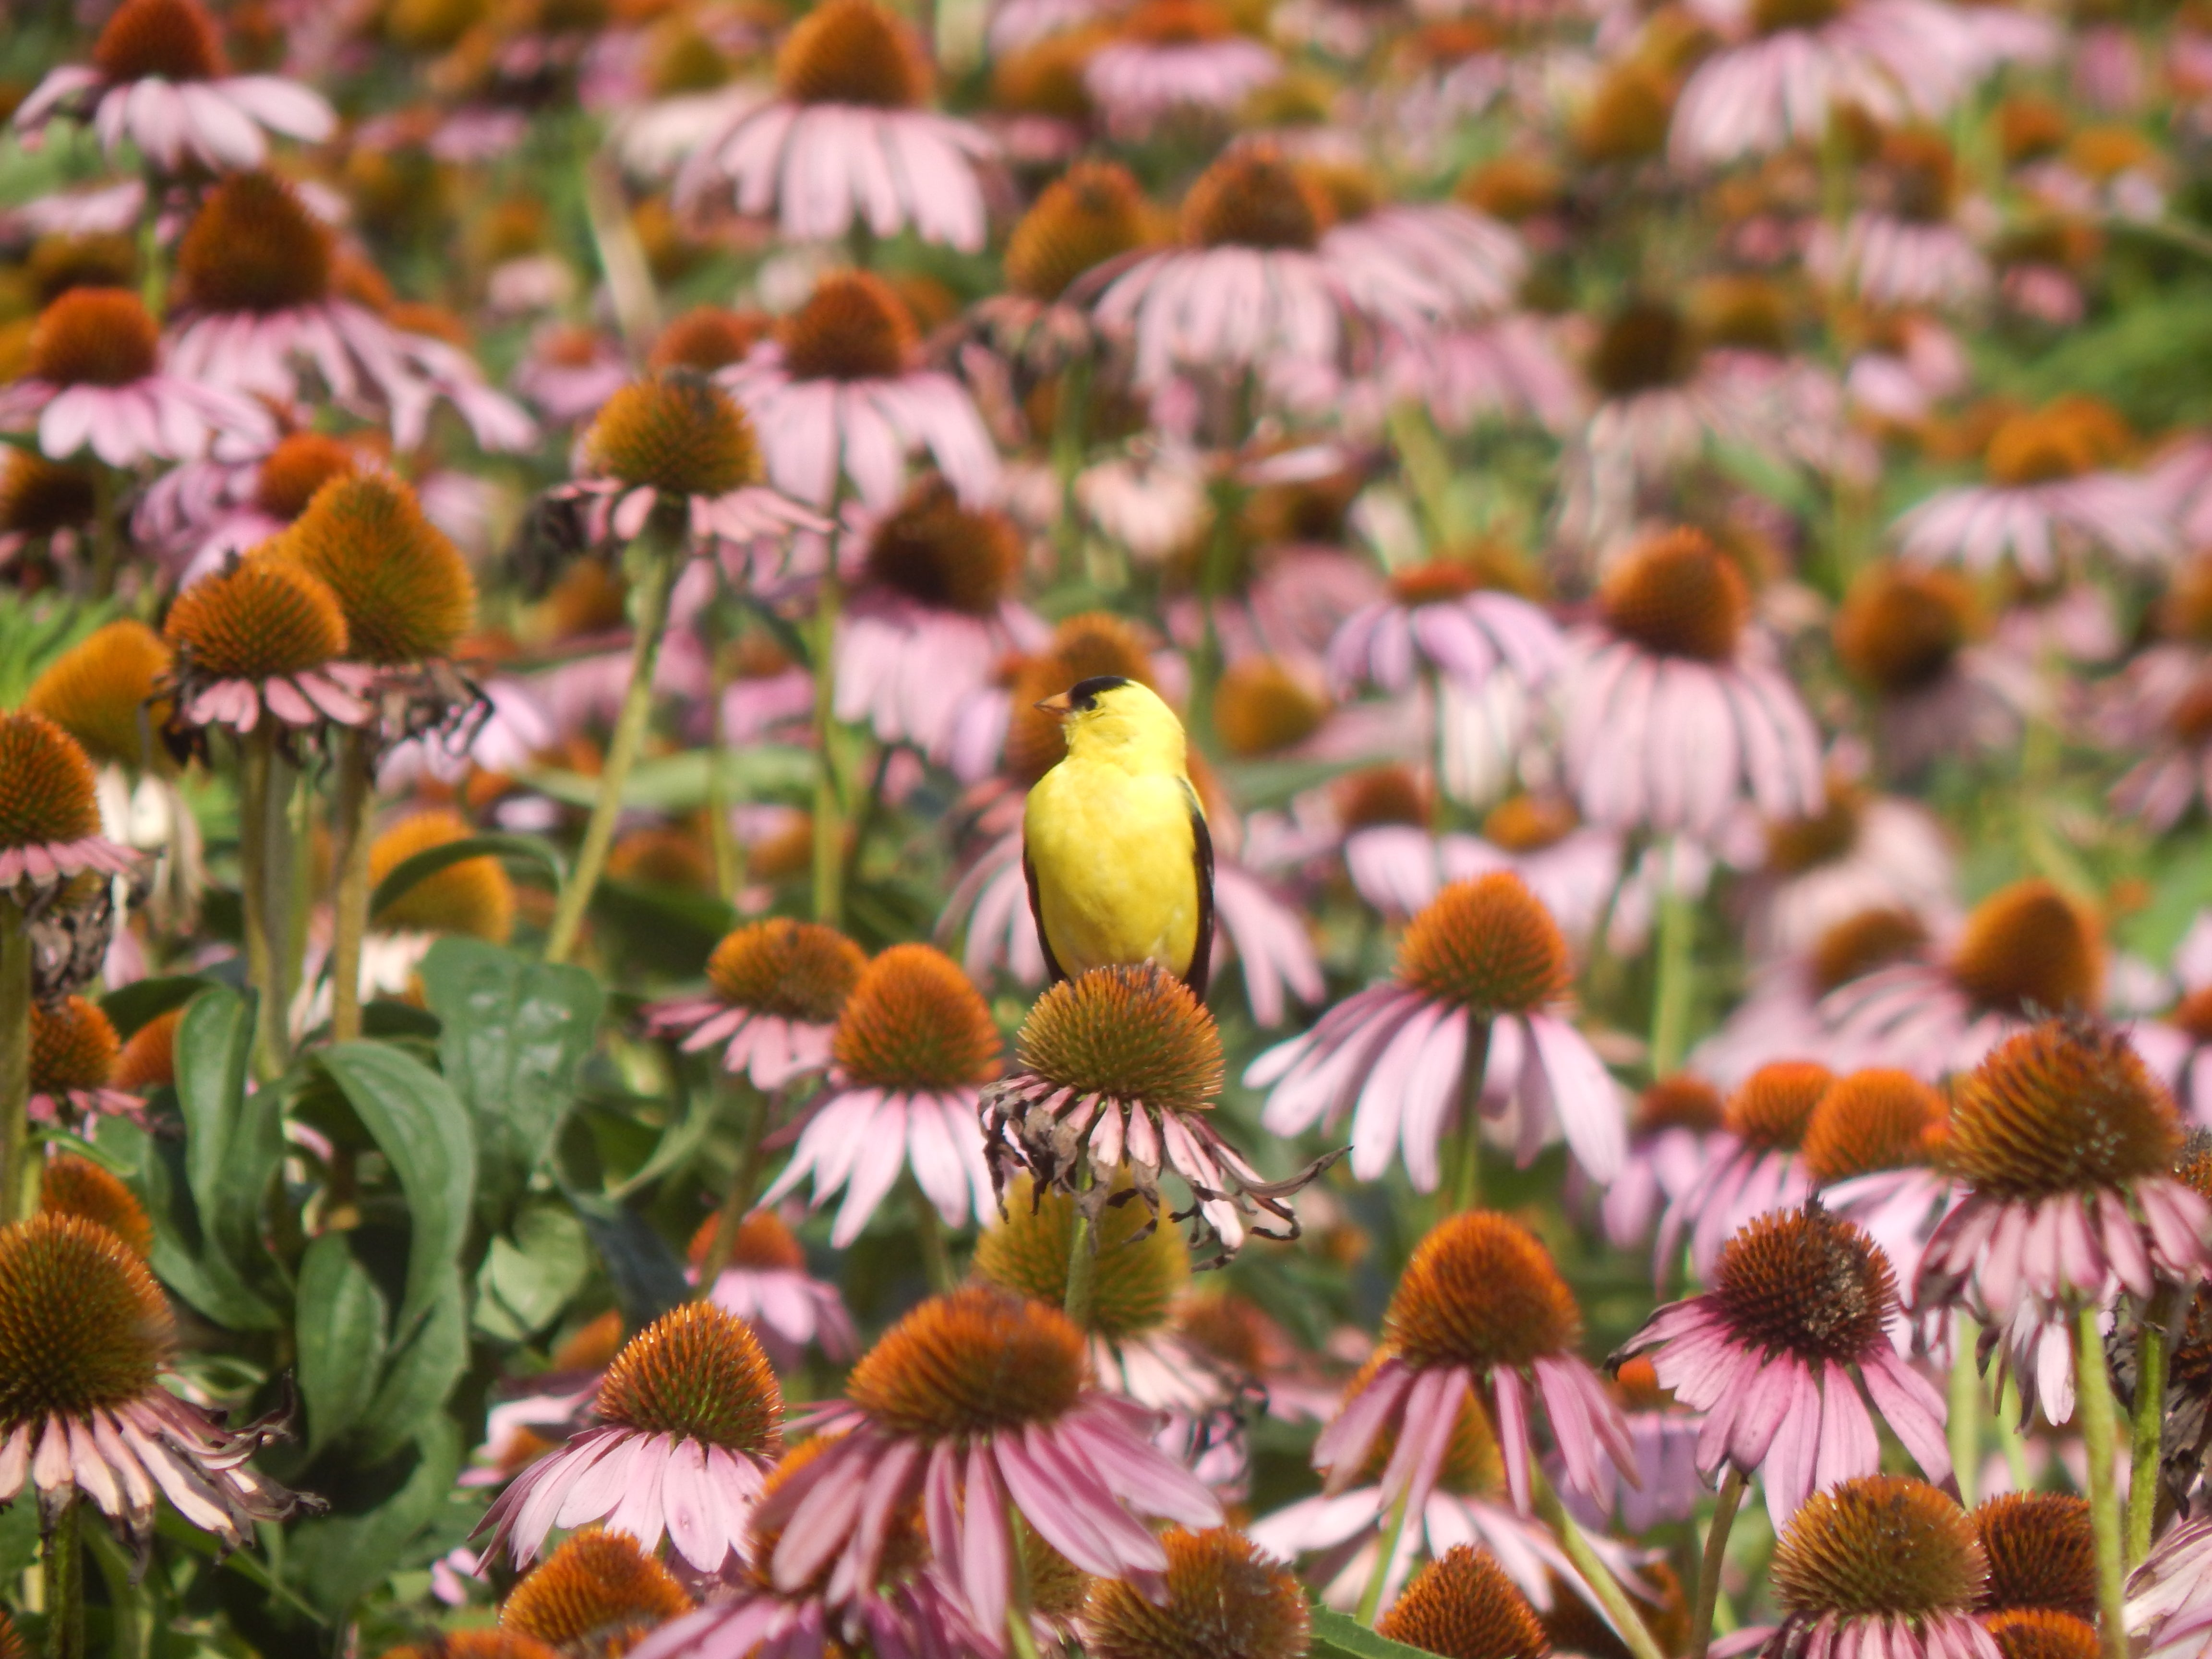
1114,841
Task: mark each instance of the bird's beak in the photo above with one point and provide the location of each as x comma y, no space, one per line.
1059,707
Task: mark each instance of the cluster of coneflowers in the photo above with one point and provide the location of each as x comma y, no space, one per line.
1680,537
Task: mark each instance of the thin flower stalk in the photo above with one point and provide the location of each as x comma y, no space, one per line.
652,563
1627,1622
828,814
1963,1410
2148,1430
356,795
2099,1440
256,876
759,1108
14,1057
1725,1504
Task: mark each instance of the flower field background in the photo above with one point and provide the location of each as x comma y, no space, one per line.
1144,829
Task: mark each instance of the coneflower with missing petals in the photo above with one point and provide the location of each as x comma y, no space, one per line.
690,1421
1225,1600
158,78
76,1186
1751,1167
88,1336
2066,1144
1473,1018
149,1059
840,392
102,692
599,1588
974,1402
1462,1606
1120,1068
1799,1300
774,991
405,592
1444,615
914,1044
263,638
74,1049
1881,1565
2041,1553
49,811
1481,1305
765,1282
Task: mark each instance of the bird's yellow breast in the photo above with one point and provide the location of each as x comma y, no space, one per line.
1114,855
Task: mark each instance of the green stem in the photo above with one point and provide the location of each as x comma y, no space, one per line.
2150,1425
1216,567
1708,1567
936,1256
255,763
1069,423
737,1202
129,1616
1467,1173
1082,1268
2006,1417
106,532
357,789
1670,996
1627,1623
729,856
829,817
1019,1634
65,1587
1370,1599
1964,1416
2092,1391
652,563
1426,467
621,257
14,1057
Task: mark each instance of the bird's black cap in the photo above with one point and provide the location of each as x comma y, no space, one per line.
1084,694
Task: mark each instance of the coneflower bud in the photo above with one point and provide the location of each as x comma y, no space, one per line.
1678,596
1225,1600
598,1593
915,1021
100,691
78,1187
405,591
474,897
1141,1267
852,52
1462,1606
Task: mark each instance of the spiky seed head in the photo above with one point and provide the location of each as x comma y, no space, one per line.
2064,1107
794,969
1860,944
1131,1032
974,1363
708,338
1462,1606
1481,1290
254,246
406,591
2028,949
301,464
1681,1100
1253,198
149,1059
677,432
599,1591
1094,212
1875,1119
47,791
1772,1106
1678,595
1878,1545
943,555
100,691
474,897
263,617
2041,1552
915,1021
1807,1284
1489,946
2038,1633
1225,1600
696,1373
174,40
83,1327
72,1186
852,52
73,1046
94,337
855,327
1141,1267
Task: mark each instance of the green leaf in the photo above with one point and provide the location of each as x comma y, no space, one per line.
534,854
1340,1635
18,1538
674,784
247,1565
514,1032
234,1142
648,1276
677,1144
424,1131
422,1373
144,1001
338,1561
526,1280
339,1326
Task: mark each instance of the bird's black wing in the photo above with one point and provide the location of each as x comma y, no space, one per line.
1053,972
1201,855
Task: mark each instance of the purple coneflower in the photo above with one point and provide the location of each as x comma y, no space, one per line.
2169,1604
263,637
1480,1304
846,142
49,829
1908,249
914,1047
1441,616
1751,1167
1118,1070
198,514
838,395
158,79
1906,634
1669,1148
978,1401
1677,711
1799,1299
765,1282
74,1050
776,989
1219,1595
1169,58
689,1422
1470,1018
1868,1151
1882,1566
94,381
598,1589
